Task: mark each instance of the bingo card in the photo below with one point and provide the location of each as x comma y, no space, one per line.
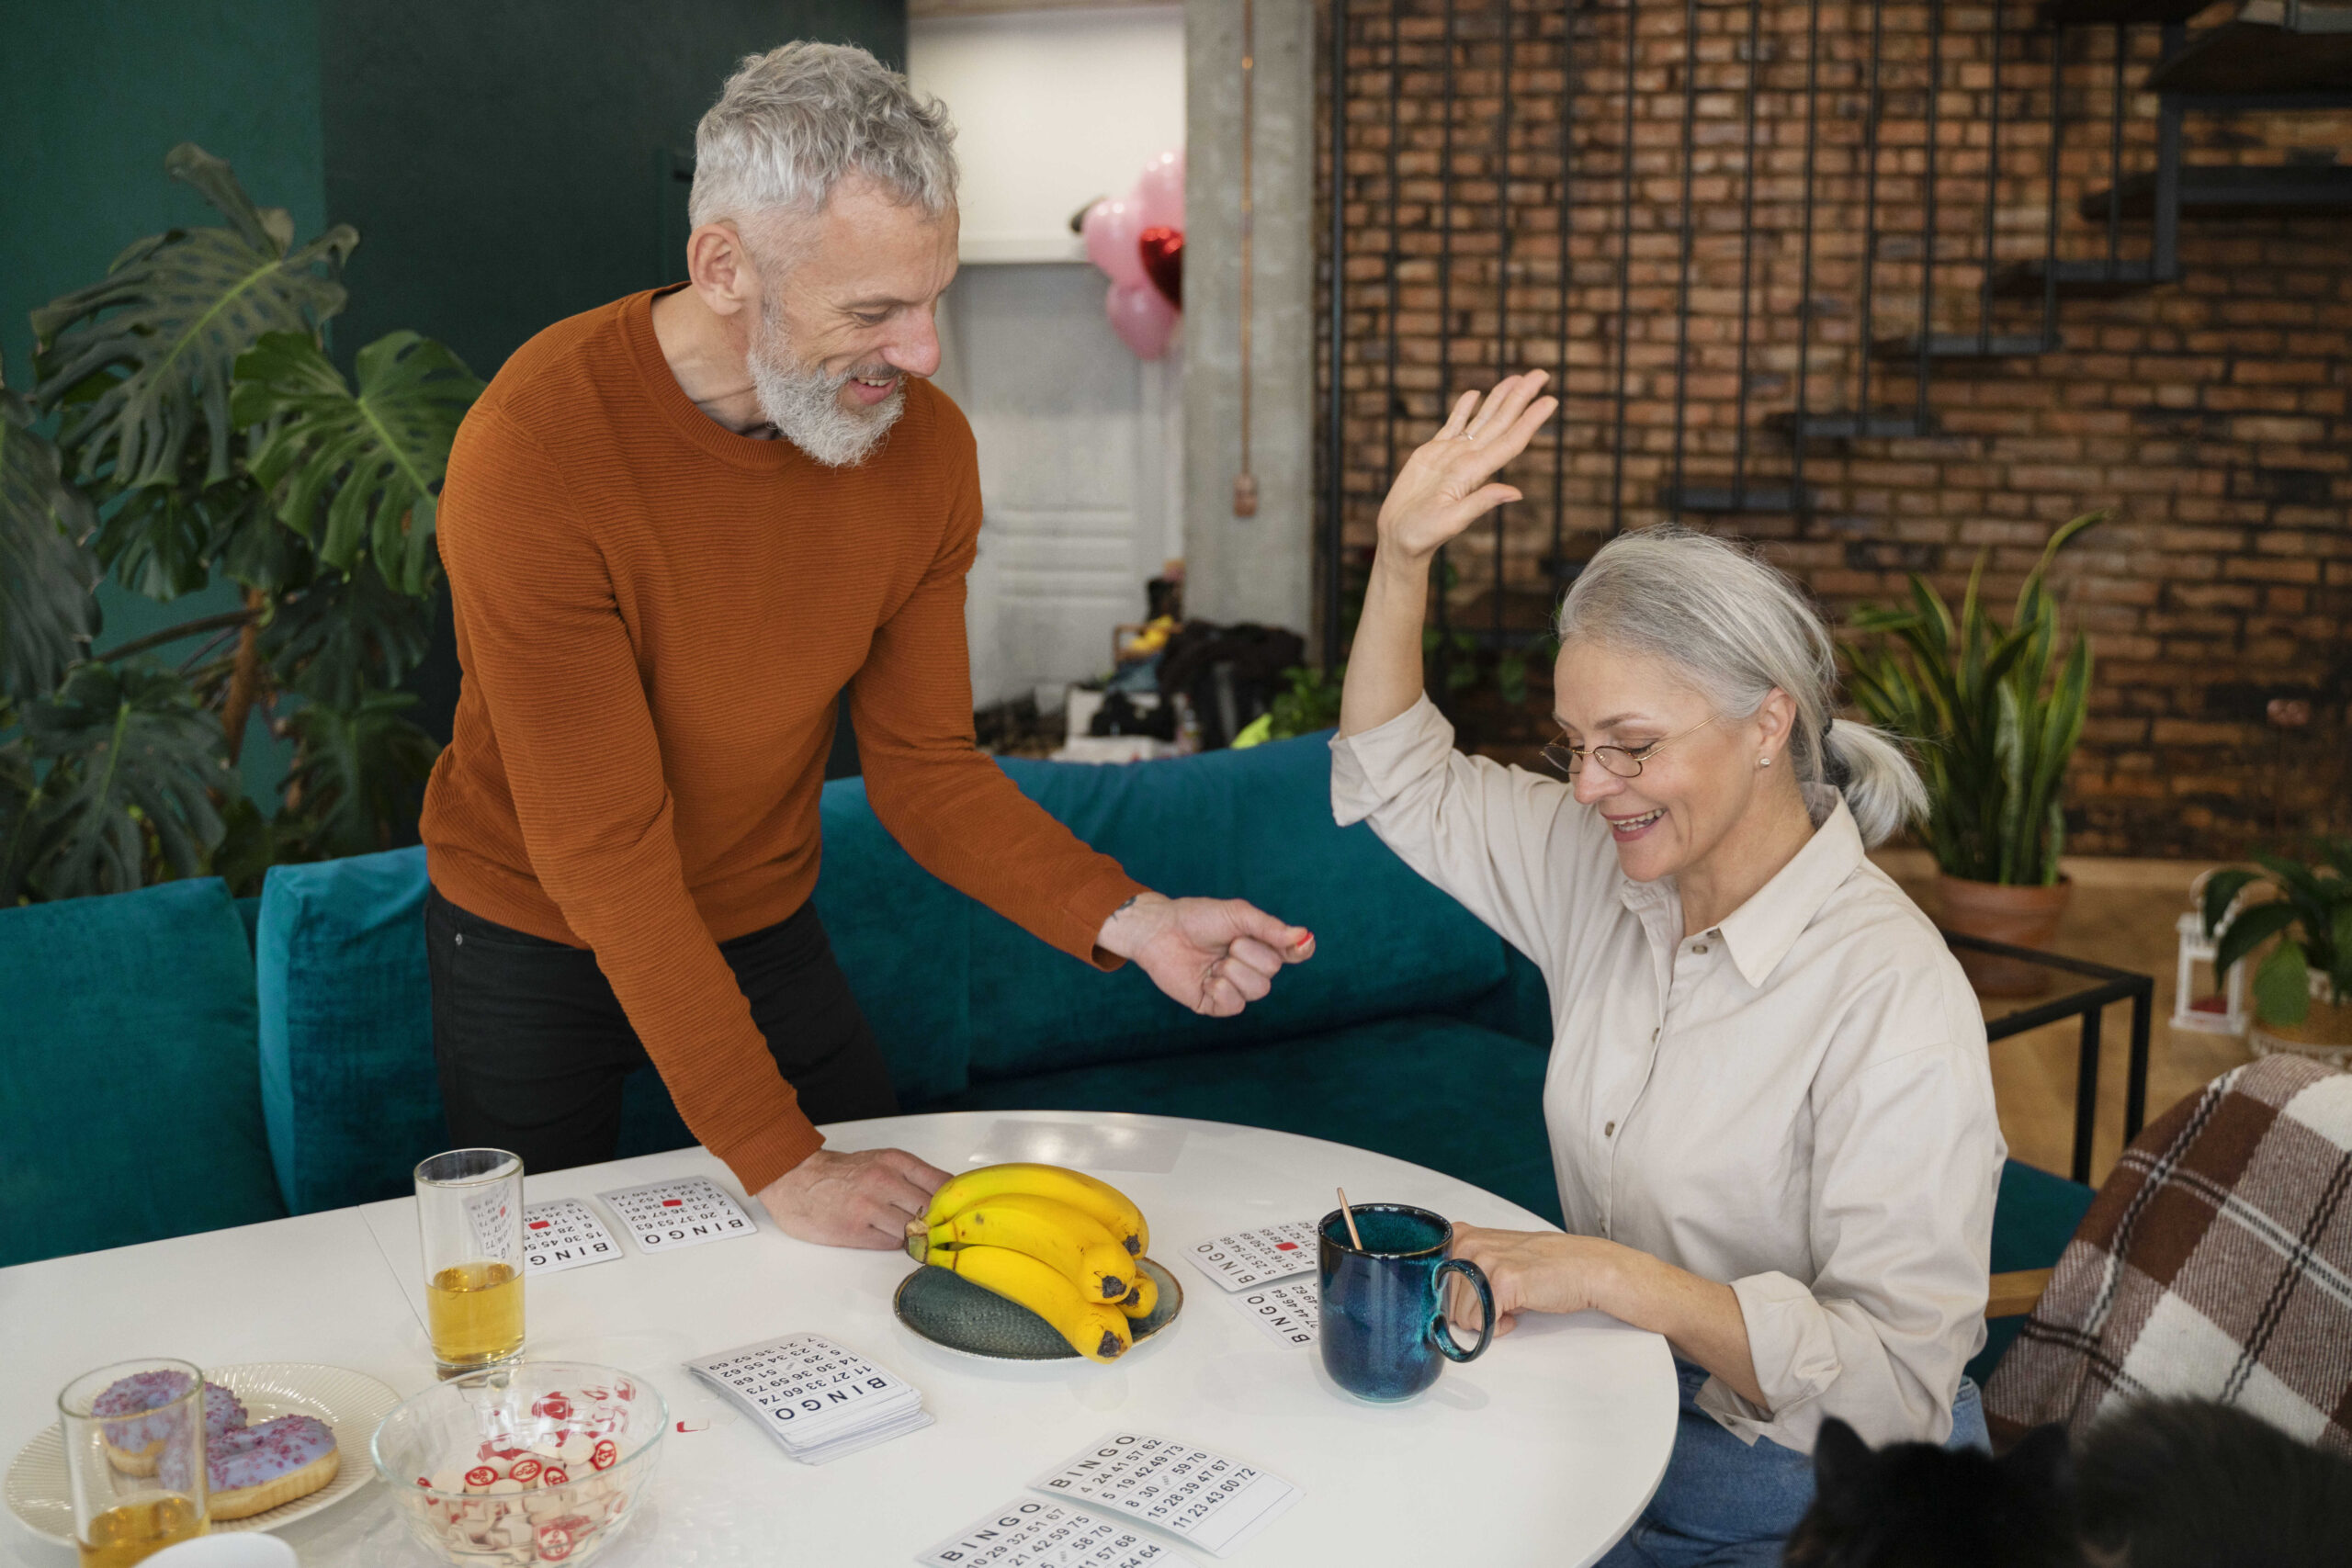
564,1235
491,1220
1209,1500
1290,1313
1255,1257
663,1216
1029,1533
817,1399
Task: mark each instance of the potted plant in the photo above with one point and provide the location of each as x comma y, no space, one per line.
2303,988
1995,712
201,430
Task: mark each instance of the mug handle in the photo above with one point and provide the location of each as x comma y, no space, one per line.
1440,1333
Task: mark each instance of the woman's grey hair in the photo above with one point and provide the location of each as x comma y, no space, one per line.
791,123
1737,628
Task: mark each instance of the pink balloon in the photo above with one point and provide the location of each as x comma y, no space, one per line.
1160,192
1142,317
1112,234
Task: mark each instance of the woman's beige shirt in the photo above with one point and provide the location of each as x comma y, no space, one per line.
1796,1101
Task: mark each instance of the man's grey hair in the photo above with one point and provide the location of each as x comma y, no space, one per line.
794,121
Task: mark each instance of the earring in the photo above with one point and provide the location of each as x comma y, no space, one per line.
1763,761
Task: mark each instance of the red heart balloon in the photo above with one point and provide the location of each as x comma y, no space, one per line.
1163,262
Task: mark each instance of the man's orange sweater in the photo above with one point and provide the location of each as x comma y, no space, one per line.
655,619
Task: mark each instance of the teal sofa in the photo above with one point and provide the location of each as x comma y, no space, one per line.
189,1062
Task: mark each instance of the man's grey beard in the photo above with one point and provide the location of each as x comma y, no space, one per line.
804,402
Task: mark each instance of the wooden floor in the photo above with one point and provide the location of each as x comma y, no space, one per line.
2122,914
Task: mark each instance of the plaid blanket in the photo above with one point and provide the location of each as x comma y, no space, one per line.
2216,1263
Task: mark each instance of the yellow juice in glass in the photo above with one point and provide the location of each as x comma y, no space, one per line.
477,1313
134,1531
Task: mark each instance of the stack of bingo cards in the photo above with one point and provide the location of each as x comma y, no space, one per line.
816,1399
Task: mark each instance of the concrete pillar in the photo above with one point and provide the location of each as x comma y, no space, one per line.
1261,567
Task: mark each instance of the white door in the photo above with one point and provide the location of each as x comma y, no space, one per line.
1080,449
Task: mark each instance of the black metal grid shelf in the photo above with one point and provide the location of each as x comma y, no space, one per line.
2088,1004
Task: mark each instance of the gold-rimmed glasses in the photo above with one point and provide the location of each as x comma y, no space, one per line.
1623,762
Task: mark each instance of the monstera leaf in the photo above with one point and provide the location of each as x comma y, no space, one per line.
47,616
359,471
141,362
157,540
355,776
131,755
344,636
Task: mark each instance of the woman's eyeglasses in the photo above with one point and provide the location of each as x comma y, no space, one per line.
1623,762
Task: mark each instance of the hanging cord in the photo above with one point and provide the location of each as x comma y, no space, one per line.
1245,483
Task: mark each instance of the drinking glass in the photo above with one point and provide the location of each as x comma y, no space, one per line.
469,1218
134,1461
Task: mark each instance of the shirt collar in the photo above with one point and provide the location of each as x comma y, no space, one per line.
1761,932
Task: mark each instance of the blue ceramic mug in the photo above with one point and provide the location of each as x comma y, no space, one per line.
1383,1304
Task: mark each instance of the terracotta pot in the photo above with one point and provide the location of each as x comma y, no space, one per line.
2022,916
2325,1036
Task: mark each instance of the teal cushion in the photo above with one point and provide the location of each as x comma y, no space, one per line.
1253,824
346,1029
249,914
1433,1091
903,938
348,1087
2034,1216
129,1107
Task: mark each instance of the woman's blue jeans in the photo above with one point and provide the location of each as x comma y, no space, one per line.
1724,1504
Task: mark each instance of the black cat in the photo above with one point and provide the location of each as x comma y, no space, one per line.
1918,1506
2188,1484
2163,1484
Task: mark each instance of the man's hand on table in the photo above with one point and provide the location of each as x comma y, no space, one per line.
860,1199
1215,956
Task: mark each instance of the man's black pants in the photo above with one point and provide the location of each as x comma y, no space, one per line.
532,1046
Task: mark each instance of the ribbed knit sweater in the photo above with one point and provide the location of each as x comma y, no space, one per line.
655,617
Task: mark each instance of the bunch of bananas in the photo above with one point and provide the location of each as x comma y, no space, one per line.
1057,1241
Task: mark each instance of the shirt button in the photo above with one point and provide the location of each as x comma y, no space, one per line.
1700,947
1653,1033
1609,1131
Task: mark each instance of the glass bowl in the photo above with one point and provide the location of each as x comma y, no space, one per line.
538,1462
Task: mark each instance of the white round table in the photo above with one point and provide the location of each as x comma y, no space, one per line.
1544,1450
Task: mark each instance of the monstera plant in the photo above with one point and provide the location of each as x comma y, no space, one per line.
201,430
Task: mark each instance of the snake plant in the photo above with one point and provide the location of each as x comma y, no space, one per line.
1993,713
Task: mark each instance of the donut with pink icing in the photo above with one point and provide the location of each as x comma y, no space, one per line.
135,1445
255,1468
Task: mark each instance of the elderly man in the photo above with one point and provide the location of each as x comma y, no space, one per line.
675,529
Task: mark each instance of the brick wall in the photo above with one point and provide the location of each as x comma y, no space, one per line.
2209,413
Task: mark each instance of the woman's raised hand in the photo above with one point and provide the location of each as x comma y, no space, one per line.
1443,487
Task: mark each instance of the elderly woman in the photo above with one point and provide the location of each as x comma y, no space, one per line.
1769,1105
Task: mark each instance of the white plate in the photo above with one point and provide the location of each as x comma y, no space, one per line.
351,1402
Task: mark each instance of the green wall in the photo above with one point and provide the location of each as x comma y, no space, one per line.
506,163
91,94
